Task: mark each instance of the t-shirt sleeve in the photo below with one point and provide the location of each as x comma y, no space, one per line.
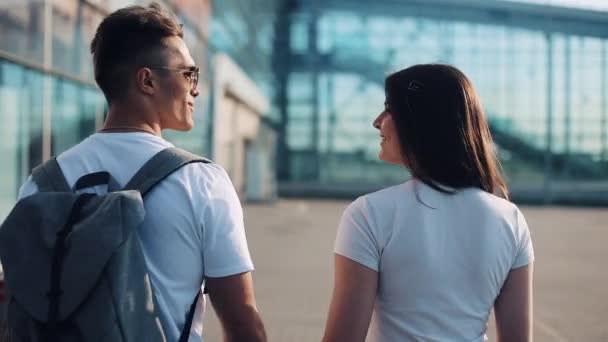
525,250
356,238
225,250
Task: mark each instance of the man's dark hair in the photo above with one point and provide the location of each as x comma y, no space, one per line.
128,39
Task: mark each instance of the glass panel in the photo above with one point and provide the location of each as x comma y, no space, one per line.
21,27
90,20
67,35
73,117
507,65
196,12
299,34
32,102
247,32
20,132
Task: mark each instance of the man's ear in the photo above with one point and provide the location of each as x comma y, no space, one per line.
146,81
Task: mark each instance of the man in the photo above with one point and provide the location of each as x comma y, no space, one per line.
193,228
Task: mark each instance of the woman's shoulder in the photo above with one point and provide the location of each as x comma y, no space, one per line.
384,199
389,193
495,207
494,202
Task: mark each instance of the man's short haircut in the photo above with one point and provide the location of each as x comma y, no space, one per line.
127,39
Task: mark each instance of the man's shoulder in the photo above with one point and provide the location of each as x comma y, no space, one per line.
205,174
88,143
205,169
186,155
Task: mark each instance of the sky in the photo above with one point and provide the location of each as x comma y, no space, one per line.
601,5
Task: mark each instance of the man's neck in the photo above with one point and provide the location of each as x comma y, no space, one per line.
122,119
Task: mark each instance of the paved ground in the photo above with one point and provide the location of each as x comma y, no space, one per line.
291,243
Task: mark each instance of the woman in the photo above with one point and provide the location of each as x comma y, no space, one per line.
428,259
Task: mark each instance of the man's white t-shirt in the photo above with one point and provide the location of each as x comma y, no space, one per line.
193,226
441,259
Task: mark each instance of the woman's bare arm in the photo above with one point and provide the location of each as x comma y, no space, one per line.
353,300
513,307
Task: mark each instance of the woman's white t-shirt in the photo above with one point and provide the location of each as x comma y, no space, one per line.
441,258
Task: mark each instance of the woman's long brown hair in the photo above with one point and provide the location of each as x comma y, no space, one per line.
442,128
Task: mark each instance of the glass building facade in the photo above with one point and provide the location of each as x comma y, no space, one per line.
48,98
541,72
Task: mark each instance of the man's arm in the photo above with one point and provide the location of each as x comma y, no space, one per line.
513,307
234,302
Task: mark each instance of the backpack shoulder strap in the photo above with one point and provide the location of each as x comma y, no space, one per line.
160,166
183,337
49,177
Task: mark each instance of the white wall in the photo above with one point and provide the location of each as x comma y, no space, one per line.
239,104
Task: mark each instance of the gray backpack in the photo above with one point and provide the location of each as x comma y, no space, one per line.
73,262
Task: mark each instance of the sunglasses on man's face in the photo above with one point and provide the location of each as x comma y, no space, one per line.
190,73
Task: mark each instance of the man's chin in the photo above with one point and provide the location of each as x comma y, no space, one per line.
185,128
180,128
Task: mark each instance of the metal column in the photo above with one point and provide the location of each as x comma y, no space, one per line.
604,105
314,77
567,104
549,133
281,62
47,96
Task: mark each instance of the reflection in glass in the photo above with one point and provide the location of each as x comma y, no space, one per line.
21,27
74,115
510,67
20,132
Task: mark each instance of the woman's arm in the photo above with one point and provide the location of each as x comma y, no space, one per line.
513,307
353,300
